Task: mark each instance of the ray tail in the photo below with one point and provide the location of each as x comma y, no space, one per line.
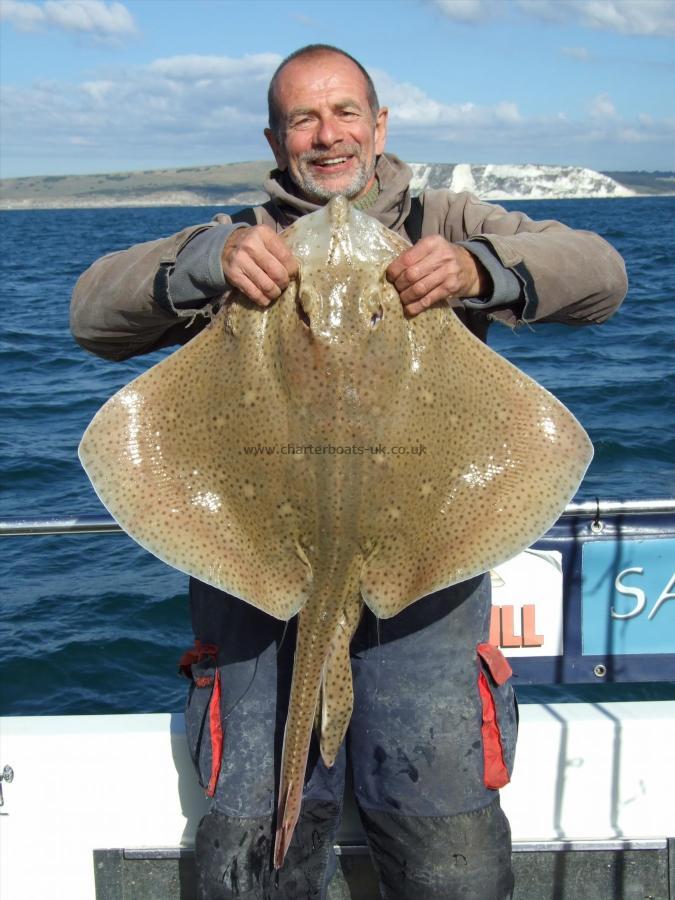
317,625
337,692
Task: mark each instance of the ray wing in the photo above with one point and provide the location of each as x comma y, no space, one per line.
498,458
188,460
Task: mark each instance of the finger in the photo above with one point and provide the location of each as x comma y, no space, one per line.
280,250
268,263
263,246
250,270
421,271
249,289
435,296
434,281
427,246
397,266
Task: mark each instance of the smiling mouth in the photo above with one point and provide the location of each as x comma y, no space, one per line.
333,161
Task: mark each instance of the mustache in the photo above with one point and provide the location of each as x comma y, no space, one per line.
311,156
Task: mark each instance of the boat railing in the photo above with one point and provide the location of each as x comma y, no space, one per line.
17,526
578,607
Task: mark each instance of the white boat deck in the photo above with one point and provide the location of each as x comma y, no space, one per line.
584,772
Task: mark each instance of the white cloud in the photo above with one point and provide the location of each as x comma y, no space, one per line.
180,106
470,11
601,107
94,17
633,136
507,111
194,67
580,53
99,91
646,17
191,110
77,141
502,133
411,108
24,16
302,19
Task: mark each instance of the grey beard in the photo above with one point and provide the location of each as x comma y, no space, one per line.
315,190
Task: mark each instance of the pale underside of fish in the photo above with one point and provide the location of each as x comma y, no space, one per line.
327,452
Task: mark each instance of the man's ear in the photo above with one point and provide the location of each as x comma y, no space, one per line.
381,130
277,150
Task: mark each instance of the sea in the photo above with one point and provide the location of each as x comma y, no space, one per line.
92,623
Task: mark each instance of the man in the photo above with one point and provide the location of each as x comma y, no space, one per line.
418,761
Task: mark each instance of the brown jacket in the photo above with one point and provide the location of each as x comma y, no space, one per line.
568,276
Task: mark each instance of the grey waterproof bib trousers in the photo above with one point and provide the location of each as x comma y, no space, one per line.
415,746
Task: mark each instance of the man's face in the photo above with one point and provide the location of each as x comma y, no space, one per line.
329,140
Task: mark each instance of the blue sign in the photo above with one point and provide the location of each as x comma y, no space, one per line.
628,597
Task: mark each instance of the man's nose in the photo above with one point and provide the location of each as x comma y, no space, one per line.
328,131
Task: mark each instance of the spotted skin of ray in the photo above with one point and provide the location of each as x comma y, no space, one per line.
218,460
337,692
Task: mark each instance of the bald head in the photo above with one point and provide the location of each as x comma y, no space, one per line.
274,110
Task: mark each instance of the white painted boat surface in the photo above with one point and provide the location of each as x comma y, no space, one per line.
584,772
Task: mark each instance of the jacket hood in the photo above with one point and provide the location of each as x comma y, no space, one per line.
391,207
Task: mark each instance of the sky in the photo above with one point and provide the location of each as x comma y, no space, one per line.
110,86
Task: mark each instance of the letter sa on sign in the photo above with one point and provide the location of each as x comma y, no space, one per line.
640,595
626,584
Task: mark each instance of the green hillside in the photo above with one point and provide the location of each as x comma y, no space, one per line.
236,182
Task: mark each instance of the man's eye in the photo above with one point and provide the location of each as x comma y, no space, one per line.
301,123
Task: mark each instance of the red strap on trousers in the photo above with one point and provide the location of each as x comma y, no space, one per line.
194,655
495,774
216,729
496,662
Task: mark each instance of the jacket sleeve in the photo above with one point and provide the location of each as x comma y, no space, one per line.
569,276
121,306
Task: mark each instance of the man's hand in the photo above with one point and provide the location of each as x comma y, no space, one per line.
435,269
258,263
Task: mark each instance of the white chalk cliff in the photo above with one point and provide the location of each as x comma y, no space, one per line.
518,182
